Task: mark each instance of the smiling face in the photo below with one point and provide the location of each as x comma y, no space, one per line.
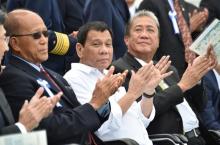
143,38
97,50
27,47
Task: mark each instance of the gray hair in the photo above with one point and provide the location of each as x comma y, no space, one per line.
142,13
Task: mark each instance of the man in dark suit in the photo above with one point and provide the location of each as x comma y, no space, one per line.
115,14
170,37
173,113
61,46
211,114
69,122
31,113
213,8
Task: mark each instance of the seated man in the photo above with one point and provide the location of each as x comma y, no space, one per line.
69,122
211,114
128,119
173,98
31,112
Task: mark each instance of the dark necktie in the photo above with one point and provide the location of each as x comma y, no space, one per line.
92,139
42,70
185,31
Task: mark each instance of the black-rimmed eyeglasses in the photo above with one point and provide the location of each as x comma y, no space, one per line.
35,35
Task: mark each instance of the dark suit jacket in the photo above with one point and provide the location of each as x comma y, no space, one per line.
72,12
170,43
211,114
115,13
66,124
5,110
167,119
213,7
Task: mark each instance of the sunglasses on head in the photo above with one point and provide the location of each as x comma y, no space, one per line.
35,35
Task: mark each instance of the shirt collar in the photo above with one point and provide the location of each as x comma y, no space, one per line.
31,64
85,68
141,61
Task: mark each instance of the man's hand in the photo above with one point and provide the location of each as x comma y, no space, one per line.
38,108
198,19
106,87
199,67
163,64
189,55
144,80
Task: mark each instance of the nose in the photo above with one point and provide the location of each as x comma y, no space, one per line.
144,34
104,50
43,39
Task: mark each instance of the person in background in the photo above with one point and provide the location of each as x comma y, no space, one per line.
213,8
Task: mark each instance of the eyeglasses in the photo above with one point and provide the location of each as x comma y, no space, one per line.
36,35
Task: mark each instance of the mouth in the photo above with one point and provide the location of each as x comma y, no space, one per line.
103,60
144,42
44,50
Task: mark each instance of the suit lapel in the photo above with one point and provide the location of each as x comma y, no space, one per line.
6,110
65,88
28,69
135,65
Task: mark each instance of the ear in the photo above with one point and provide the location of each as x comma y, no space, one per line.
126,40
14,44
79,50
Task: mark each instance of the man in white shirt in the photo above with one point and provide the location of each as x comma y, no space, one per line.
128,118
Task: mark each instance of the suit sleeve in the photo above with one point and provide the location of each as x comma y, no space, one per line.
9,130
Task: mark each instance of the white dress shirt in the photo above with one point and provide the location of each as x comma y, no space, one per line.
189,118
132,124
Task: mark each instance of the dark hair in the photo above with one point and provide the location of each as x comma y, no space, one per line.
2,17
95,25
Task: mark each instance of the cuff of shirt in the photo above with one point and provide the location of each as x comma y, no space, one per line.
21,127
146,120
116,110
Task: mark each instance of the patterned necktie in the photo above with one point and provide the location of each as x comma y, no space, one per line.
185,32
92,139
42,70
